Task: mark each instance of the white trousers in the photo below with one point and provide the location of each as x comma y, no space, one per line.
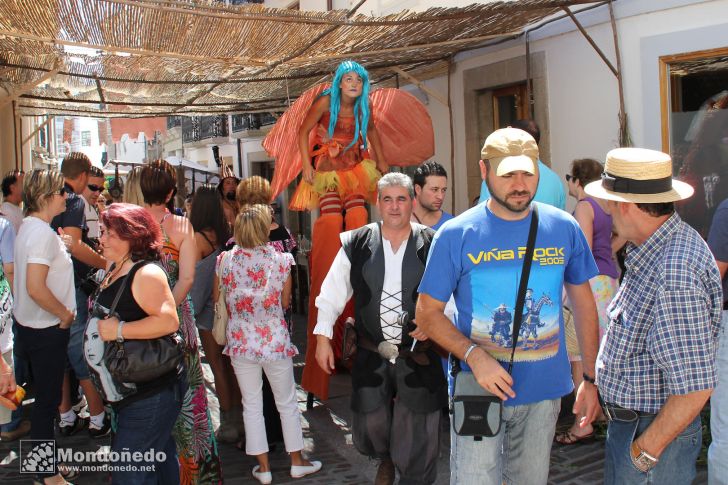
250,380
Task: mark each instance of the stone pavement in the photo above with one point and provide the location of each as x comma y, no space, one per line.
327,438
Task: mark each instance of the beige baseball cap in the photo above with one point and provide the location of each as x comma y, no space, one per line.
510,150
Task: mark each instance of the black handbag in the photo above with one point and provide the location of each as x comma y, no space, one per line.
142,360
476,411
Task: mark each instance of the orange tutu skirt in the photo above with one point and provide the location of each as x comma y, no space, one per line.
358,180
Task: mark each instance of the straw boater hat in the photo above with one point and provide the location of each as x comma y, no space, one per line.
638,175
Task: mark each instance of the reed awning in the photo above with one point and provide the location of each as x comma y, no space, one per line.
133,58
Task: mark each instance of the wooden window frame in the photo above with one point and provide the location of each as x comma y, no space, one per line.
518,90
667,94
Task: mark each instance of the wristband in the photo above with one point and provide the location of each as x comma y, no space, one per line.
467,352
119,336
588,378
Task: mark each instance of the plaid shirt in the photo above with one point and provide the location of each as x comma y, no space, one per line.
663,322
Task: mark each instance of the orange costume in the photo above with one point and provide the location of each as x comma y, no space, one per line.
342,175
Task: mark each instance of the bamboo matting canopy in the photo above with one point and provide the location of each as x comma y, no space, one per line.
184,57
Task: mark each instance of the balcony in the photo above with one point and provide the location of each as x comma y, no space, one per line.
251,124
174,122
190,129
204,130
213,127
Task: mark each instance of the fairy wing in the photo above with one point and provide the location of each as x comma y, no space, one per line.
404,127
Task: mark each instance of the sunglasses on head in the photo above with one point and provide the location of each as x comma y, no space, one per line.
95,188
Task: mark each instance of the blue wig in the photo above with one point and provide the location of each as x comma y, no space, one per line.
361,105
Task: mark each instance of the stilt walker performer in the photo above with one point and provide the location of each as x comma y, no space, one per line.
342,139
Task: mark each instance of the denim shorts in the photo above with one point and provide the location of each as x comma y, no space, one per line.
75,341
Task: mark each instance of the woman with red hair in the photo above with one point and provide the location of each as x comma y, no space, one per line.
145,413
196,444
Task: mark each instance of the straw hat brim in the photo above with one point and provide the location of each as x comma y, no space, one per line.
680,191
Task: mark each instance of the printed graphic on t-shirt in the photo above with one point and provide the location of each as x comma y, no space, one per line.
493,305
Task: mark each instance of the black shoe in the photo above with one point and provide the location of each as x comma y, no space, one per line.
95,432
70,430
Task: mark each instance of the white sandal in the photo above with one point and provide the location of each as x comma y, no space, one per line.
299,471
263,477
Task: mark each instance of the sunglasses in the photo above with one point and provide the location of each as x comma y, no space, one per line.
569,177
61,192
95,188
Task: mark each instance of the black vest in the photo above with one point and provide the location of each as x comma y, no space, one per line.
364,249
421,388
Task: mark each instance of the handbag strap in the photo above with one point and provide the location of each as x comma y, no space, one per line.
112,309
523,286
225,258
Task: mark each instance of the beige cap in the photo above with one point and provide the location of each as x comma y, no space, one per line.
510,150
638,175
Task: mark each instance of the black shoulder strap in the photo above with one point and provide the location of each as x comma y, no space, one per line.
131,273
523,285
527,260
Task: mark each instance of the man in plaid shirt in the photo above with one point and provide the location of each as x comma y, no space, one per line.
656,367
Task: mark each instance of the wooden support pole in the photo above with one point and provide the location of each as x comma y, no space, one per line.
529,93
40,127
420,84
18,161
100,91
591,41
624,137
30,85
453,189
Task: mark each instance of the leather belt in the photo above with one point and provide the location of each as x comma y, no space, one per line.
614,412
418,354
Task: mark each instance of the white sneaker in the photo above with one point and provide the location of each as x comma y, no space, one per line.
298,471
263,477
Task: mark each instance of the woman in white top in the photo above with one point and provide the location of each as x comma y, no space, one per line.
45,301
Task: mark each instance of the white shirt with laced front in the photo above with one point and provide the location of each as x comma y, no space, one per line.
336,290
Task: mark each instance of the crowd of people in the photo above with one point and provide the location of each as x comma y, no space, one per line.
497,312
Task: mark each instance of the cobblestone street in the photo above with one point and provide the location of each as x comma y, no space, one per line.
328,438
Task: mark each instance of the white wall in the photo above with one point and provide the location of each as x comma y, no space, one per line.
582,92
81,124
131,150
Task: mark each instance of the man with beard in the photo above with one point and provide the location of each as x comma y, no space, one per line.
430,188
227,186
478,258
398,384
550,189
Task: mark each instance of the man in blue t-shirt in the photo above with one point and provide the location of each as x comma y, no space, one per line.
478,258
430,181
550,190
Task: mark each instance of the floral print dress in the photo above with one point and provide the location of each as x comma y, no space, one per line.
193,432
253,280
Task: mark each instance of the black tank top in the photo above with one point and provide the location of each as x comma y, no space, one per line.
127,308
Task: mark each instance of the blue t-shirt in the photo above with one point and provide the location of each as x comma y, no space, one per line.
443,218
478,257
550,190
718,239
7,241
